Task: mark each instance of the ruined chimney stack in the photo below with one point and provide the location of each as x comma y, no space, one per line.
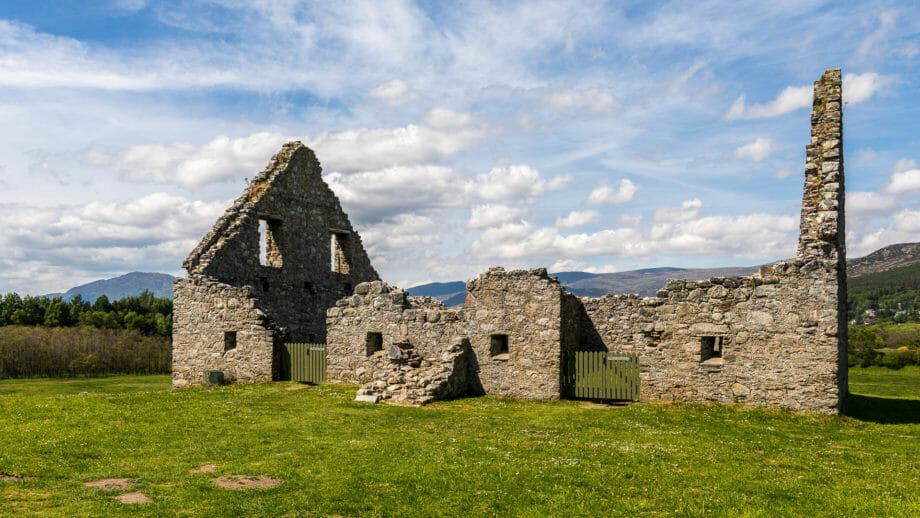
822,223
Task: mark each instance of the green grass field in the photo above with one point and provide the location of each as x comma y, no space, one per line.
478,456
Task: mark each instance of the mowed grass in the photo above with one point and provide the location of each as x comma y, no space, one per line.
469,457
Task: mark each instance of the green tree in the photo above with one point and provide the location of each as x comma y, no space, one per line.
102,304
57,314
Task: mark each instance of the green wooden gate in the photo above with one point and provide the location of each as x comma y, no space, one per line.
308,362
602,375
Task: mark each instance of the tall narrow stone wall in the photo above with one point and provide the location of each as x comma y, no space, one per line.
822,241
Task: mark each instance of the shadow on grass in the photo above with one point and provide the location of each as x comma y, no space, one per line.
882,410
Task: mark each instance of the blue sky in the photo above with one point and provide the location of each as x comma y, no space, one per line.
574,135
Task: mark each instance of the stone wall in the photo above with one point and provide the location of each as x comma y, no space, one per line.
776,331
312,258
776,338
781,332
519,310
203,312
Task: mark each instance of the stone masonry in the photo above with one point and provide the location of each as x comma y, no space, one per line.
278,257
775,338
511,327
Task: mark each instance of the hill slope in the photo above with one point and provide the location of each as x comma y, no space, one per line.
883,259
134,283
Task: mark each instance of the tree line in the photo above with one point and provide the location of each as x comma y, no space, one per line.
145,313
48,336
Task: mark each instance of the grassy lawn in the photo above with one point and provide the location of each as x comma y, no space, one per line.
480,456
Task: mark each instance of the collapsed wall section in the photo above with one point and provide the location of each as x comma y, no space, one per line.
511,328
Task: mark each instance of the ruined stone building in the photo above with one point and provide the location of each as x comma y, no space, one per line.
281,255
775,338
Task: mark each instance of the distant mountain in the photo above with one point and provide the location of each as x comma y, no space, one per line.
451,293
130,284
883,259
644,282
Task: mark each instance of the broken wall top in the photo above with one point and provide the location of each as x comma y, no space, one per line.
822,227
290,194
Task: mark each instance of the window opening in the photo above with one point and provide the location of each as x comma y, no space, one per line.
270,239
338,257
710,347
264,282
374,343
229,340
498,345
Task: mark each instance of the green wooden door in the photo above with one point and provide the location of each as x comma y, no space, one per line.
307,362
602,375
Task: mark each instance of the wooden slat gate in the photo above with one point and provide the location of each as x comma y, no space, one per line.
308,362
602,375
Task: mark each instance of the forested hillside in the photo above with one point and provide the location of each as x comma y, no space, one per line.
891,295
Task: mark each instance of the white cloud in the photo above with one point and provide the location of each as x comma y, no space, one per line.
606,195
757,151
522,240
784,172
904,182
856,88
595,101
511,182
394,92
629,219
375,195
688,210
868,204
448,132
491,215
907,222
149,233
904,164
579,218
859,87
747,236
184,164
402,233
904,227
791,98
568,265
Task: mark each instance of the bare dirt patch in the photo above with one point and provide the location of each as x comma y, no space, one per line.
596,404
111,483
246,481
9,477
204,468
298,386
133,498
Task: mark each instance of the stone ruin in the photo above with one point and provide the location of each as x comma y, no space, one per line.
775,338
281,255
